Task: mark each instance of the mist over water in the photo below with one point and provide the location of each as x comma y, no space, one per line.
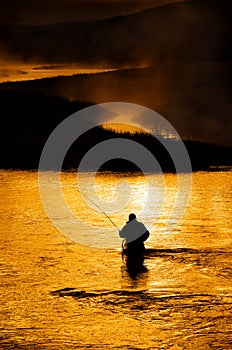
19,71
57,294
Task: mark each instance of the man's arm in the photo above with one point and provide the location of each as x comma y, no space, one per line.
146,233
145,236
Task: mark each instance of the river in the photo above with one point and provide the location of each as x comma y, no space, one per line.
59,294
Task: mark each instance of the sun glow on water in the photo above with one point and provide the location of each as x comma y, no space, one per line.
183,295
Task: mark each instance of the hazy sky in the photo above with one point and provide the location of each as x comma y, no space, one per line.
48,11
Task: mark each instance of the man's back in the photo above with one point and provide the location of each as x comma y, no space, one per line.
135,234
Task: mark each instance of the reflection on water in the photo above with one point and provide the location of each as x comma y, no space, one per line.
136,269
57,294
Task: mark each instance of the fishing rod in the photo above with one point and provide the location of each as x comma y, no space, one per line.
97,206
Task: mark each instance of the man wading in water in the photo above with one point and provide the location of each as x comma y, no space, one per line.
134,233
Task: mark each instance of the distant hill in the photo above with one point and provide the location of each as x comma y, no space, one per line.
188,31
29,118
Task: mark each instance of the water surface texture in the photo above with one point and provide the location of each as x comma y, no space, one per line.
58,294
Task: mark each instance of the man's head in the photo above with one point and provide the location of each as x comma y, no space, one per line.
132,217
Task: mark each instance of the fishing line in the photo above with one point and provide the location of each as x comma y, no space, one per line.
97,206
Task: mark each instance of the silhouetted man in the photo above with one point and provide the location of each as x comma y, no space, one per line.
135,233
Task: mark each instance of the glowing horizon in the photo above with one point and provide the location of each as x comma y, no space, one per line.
15,72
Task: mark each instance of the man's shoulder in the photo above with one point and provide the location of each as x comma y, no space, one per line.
140,223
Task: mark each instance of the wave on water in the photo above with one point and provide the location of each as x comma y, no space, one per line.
201,312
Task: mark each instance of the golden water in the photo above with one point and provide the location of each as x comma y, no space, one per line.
181,299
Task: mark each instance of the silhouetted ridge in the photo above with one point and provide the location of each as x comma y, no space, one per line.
192,30
97,135
29,119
